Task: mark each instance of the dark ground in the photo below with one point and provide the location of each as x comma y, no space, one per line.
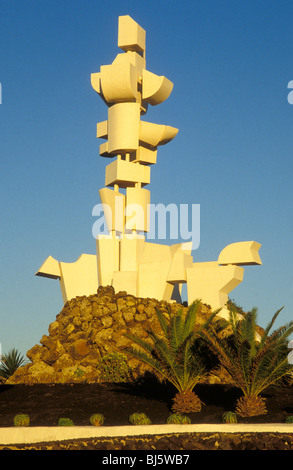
45,404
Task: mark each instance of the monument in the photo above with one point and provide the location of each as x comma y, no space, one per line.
124,258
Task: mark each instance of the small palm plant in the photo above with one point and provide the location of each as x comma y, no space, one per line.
21,420
177,418
10,362
97,419
65,422
177,356
253,363
139,419
229,417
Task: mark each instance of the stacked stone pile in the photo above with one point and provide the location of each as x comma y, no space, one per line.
86,330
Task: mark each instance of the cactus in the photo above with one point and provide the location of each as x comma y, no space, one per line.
229,417
97,419
21,420
289,419
139,419
177,418
65,422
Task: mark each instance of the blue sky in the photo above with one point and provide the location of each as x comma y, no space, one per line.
230,62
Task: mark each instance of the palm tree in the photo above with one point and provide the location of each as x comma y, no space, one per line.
253,362
177,355
10,362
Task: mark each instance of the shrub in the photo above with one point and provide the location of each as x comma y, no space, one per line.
10,362
21,420
114,367
289,419
178,418
229,417
65,422
97,419
139,419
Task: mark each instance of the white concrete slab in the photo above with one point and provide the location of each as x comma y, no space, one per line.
29,435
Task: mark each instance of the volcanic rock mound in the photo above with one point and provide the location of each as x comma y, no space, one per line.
87,330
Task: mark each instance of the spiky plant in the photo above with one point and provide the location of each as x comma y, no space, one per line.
21,420
97,419
177,355
178,418
229,417
139,419
65,422
253,362
10,362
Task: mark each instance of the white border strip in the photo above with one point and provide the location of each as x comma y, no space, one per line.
34,434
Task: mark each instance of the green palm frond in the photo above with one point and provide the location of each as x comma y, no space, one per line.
163,322
151,362
282,333
270,325
171,353
244,355
277,373
157,355
233,320
248,328
176,328
252,364
190,319
221,349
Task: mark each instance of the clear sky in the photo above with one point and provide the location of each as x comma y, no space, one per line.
230,62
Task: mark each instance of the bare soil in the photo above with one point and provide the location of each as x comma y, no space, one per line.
45,404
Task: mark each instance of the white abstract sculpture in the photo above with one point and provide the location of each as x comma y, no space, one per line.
124,258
